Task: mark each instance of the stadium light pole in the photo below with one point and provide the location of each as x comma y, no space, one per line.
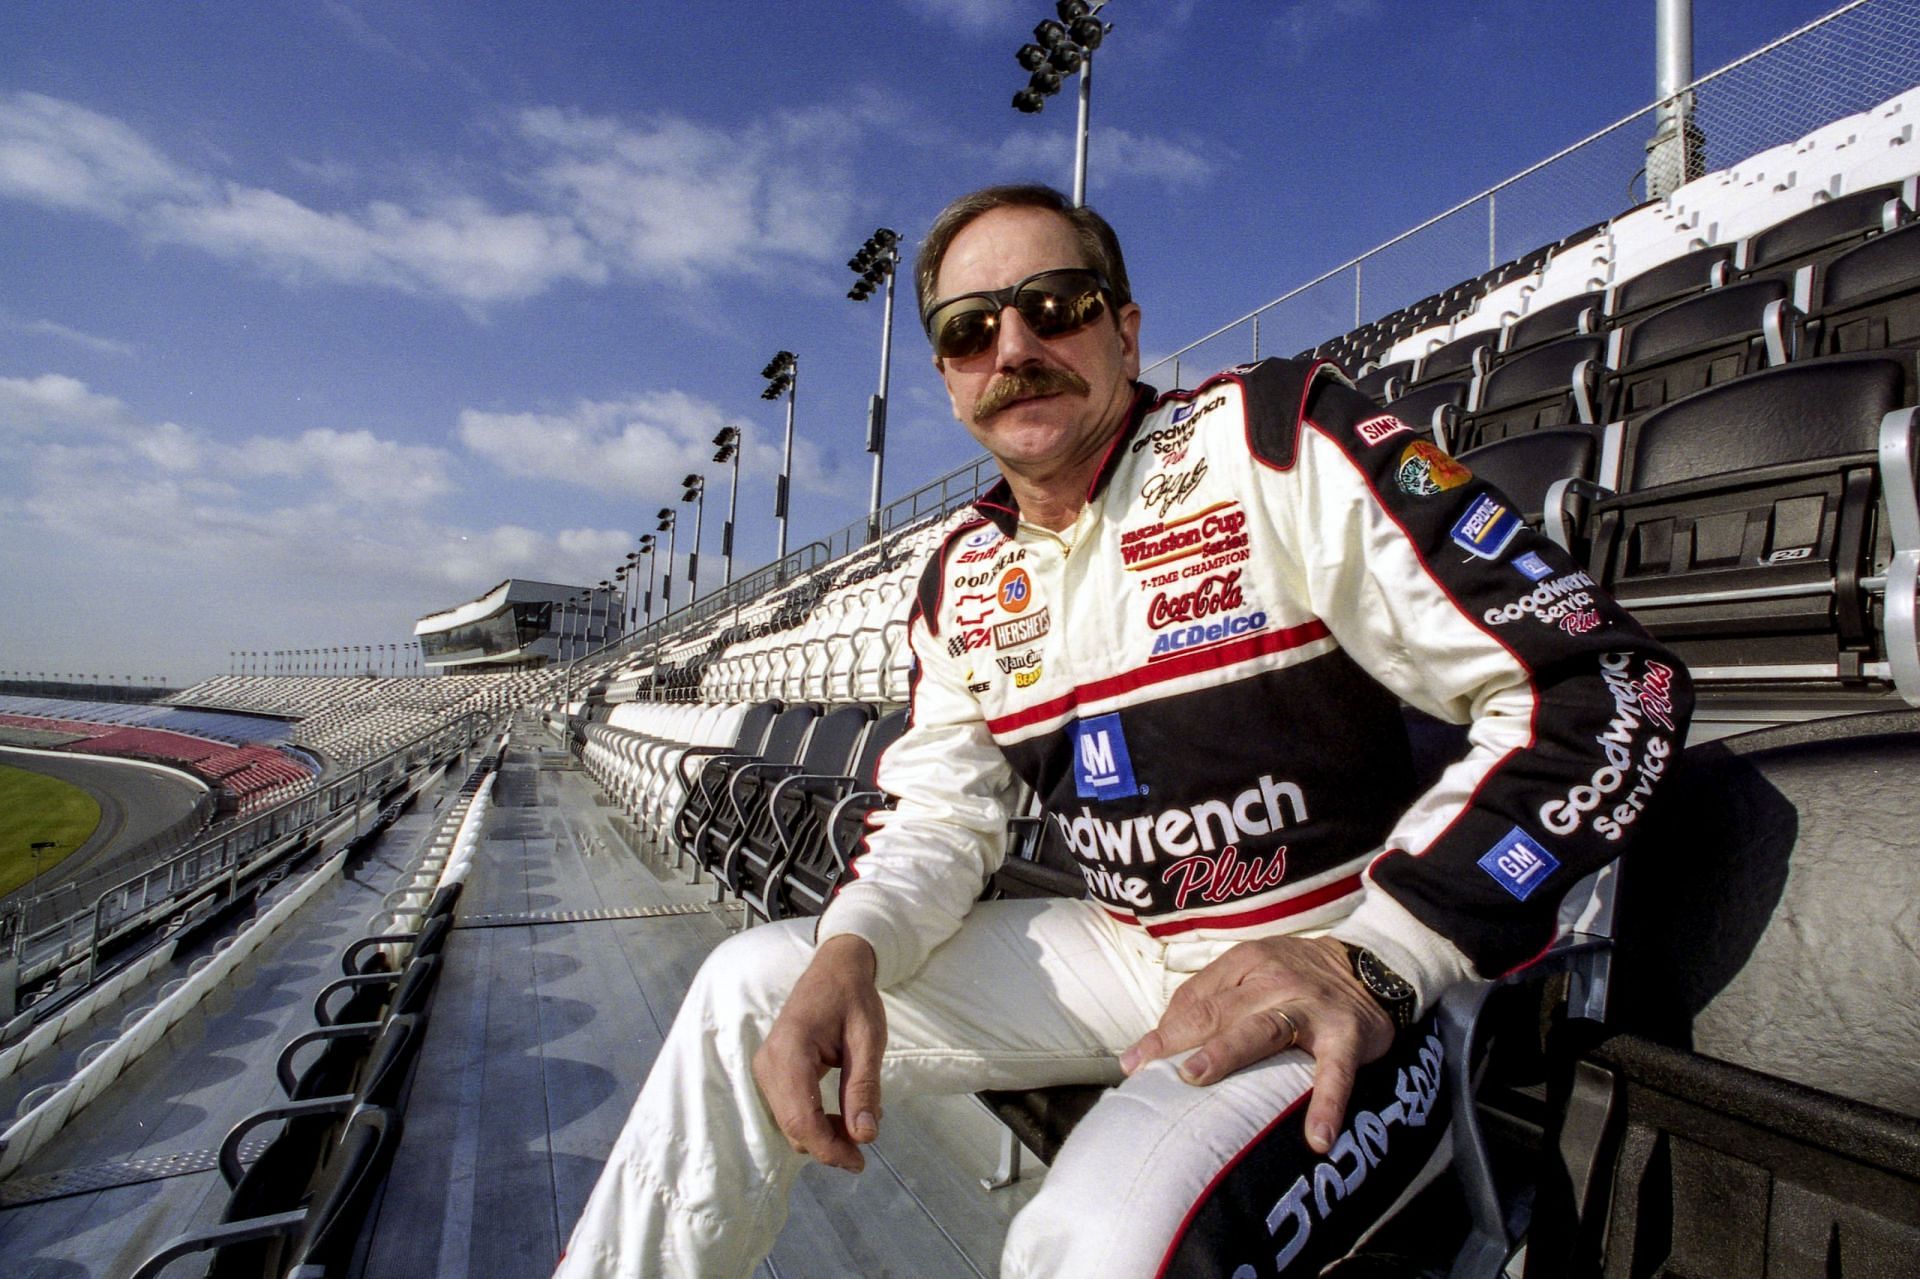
606,613
666,525
38,847
1064,47
647,546
727,448
694,489
876,262
782,374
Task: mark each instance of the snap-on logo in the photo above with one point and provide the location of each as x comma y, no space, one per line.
1102,768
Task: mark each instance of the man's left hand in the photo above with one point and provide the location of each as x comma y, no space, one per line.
1262,998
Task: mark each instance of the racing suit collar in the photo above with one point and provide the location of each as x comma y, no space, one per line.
998,506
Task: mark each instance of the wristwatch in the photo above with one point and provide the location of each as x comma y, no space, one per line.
1397,998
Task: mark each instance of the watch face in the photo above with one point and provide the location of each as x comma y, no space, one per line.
1380,979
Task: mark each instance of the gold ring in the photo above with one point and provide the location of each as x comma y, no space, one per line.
1293,1029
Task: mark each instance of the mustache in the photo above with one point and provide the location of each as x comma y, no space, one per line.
1026,383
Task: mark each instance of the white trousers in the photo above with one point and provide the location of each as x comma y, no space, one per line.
1029,993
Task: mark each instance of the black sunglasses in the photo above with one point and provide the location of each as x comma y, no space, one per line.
1052,303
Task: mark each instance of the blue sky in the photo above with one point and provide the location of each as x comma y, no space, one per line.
315,317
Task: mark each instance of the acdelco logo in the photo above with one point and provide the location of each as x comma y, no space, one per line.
1169,643
1262,809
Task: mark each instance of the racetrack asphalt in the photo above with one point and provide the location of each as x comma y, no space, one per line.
135,802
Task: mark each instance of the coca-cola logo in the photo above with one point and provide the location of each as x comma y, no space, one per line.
1218,594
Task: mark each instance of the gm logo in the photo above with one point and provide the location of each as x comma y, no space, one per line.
1518,864
1532,567
1101,767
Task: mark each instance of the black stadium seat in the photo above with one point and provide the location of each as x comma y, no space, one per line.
1823,230
1756,1110
1704,340
742,859
706,806
1868,298
1433,407
1681,277
1565,318
1551,385
1755,530
808,868
1386,382
1462,355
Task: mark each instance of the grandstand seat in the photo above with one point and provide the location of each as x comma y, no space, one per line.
809,865
1680,277
707,776
314,1239
1385,382
1433,407
1766,527
1467,354
1563,318
1706,339
381,994
670,769
1868,298
1553,384
1823,230
1754,1110
739,846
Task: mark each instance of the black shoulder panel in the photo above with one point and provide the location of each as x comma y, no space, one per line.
1276,395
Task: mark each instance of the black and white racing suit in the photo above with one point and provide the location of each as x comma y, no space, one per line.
1200,679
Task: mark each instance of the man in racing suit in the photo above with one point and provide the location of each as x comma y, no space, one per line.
1186,622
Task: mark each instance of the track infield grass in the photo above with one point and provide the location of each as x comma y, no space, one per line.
34,808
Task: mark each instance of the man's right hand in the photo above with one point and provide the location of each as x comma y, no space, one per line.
833,1018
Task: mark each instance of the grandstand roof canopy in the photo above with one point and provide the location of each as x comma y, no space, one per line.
512,591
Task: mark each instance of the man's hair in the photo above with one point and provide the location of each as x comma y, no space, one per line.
1098,244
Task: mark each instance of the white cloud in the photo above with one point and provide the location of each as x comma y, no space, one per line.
369,470
91,342
663,200
317,538
55,402
978,17
98,439
1303,24
641,446
59,154
675,200
1112,154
